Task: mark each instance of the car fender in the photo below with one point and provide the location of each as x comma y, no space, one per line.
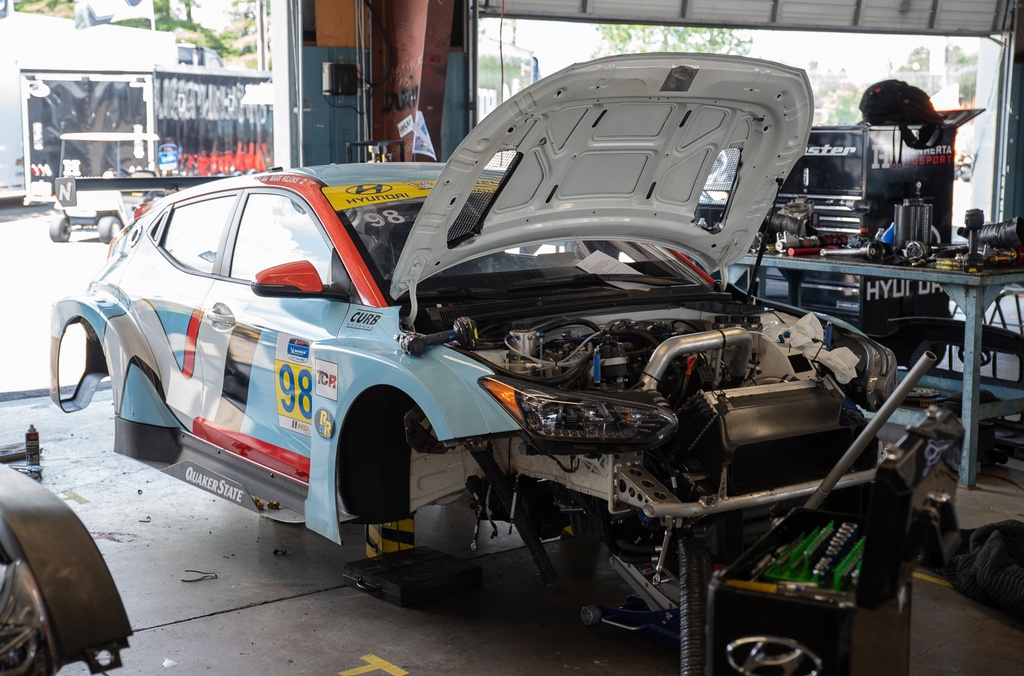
119,335
443,383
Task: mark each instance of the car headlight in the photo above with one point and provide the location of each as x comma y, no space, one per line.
24,644
630,419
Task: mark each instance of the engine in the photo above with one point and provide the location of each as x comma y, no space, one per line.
724,399
673,413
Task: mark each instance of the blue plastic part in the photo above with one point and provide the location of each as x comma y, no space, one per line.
141,403
658,625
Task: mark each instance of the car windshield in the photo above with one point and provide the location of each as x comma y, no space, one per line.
384,229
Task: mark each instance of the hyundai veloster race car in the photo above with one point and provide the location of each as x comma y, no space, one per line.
536,321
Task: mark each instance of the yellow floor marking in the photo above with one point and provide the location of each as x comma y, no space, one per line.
374,663
71,495
931,578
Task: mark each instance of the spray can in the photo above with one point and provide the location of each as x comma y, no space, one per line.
32,446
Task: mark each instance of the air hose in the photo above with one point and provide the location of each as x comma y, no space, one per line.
694,572
500,483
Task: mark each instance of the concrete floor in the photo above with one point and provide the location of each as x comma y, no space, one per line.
288,612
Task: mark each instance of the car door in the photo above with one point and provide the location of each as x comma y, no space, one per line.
169,278
259,363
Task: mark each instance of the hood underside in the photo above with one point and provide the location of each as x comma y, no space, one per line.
684,150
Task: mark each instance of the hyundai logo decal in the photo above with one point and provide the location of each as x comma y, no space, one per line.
771,655
369,188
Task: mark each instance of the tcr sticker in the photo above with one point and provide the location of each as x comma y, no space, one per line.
327,379
293,380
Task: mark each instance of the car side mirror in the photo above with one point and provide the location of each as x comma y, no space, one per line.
298,279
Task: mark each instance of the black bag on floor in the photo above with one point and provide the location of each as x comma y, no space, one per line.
991,569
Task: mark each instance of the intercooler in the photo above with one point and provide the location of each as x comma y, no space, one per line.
768,436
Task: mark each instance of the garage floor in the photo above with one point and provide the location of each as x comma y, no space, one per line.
277,604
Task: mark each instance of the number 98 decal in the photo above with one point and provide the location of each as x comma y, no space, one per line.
293,380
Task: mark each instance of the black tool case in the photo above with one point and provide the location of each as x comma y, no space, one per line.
412,576
805,600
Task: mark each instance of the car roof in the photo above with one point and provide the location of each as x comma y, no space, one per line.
329,175
370,172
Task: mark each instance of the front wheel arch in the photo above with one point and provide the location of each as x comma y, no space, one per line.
374,458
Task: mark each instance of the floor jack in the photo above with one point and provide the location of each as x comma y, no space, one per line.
647,610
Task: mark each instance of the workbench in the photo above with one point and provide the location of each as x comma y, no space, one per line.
972,292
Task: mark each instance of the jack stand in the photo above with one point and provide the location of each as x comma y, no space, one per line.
393,536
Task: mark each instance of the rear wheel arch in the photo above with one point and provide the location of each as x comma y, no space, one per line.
115,342
95,367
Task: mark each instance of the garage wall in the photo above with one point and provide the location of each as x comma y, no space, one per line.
940,17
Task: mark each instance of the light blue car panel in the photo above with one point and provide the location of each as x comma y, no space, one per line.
442,383
142,403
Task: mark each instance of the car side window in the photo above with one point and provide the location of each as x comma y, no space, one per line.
193,234
277,229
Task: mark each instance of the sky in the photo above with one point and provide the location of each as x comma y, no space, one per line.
212,14
866,58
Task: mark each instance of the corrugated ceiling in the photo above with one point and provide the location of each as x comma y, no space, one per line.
936,17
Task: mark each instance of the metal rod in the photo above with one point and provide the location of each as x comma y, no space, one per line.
691,510
870,431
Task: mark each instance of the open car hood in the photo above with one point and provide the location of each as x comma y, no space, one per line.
684,150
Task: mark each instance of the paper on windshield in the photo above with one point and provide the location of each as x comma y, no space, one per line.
600,263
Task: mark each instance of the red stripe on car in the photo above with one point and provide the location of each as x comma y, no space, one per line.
188,364
286,463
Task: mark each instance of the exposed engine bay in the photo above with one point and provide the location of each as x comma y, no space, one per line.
635,424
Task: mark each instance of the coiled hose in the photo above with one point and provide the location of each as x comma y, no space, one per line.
500,483
694,573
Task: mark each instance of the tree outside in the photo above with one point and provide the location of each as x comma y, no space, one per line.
627,38
236,43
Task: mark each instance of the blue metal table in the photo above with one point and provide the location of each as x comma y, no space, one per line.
972,292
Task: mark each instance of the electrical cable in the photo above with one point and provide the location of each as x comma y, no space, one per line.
388,47
574,464
527,530
1004,478
327,98
363,54
501,53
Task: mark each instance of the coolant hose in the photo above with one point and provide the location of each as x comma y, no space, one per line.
500,483
694,575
